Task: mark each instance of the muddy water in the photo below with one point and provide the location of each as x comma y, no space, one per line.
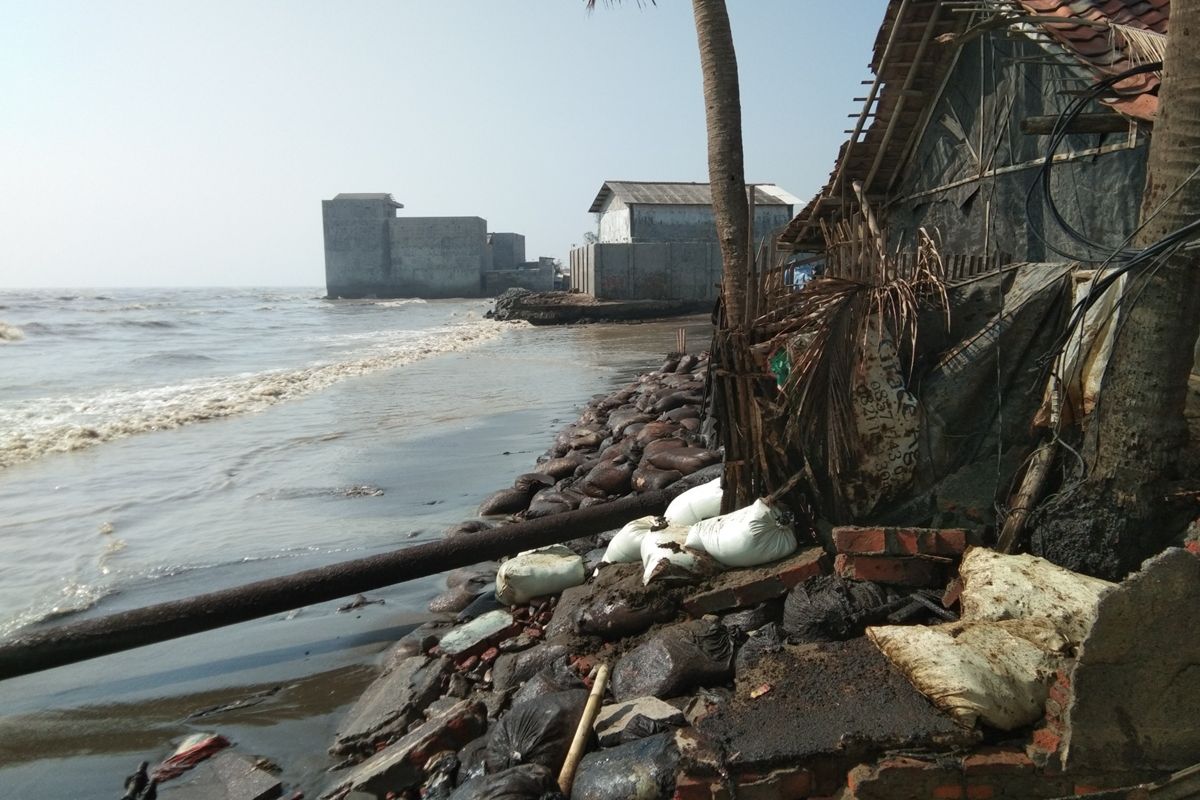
249,496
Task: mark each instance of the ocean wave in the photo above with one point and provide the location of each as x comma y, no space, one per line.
10,333
35,428
174,357
73,597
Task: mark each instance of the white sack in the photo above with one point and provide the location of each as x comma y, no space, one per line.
999,672
698,503
626,546
538,572
744,538
998,586
664,549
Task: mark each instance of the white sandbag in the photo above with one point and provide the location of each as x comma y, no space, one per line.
626,546
538,572
747,537
999,672
998,586
663,551
699,502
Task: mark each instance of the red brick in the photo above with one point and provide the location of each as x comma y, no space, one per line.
981,792
1083,788
692,788
898,570
952,594
849,539
759,591
1046,740
900,541
797,570
747,587
997,761
709,602
949,790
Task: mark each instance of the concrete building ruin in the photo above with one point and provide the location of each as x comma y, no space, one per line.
372,252
658,241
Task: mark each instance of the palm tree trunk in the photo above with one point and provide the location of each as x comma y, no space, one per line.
1140,427
726,174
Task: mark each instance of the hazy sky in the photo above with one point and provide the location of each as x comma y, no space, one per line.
190,143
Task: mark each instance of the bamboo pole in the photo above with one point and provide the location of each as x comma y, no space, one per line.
1026,498
566,778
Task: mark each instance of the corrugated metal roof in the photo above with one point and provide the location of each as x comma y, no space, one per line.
369,196
669,193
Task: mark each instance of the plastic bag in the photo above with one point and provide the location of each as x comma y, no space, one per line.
702,502
538,572
676,659
995,671
747,537
515,783
828,608
538,731
626,546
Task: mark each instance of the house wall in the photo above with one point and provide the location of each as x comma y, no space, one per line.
941,189
357,247
507,250
612,223
437,256
689,223
647,270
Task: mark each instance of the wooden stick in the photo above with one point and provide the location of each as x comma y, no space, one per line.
567,777
1026,498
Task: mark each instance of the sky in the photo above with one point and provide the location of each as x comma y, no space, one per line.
170,143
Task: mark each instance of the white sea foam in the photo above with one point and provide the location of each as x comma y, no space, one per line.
32,429
10,333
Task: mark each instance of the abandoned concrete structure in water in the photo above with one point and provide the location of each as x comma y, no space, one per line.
372,252
658,241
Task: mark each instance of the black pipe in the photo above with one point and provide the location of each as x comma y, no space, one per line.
66,644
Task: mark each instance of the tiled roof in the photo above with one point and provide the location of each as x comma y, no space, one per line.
1103,49
910,72
683,194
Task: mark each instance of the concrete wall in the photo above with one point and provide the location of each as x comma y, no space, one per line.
438,256
357,247
507,250
647,270
535,277
677,223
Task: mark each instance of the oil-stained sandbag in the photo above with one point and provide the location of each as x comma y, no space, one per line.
696,504
559,468
756,534
535,573
677,400
619,420
998,586
537,731
626,546
661,446
532,482
829,608
664,556
998,672
608,478
655,430
676,659
523,782
685,459
687,363
682,413
505,501
648,479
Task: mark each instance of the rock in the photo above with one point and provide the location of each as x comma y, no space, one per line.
486,602
484,572
513,669
1135,688
640,770
441,768
635,719
390,704
697,653
416,642
477,634
456,599
402,765
556,677
228,776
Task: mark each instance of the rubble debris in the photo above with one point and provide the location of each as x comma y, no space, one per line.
766,639
619,723
675,659
190,752
135,784
643,769
476,635
485,603
1135,688
746,587
402,764
457,598
358,602
228,776
390,704
749,537
537,573
741,623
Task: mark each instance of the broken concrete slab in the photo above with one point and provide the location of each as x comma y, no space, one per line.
851,700
402,764
1135,688
635,719
393,702
227,776
476,635
741,588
